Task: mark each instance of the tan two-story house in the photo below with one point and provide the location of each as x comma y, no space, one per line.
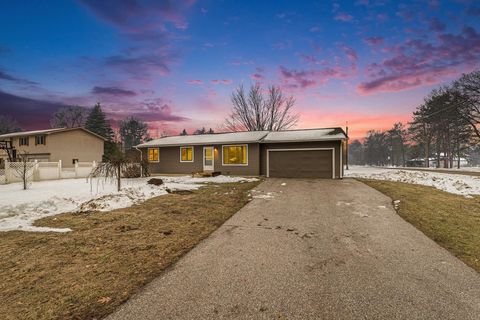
69,145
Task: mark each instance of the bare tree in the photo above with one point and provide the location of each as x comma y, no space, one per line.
256,111
8,124
23,169
113,168
468,99
69,117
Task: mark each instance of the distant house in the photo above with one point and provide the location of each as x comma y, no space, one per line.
66,144
309,153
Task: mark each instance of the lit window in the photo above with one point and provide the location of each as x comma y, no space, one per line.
39,140
235,155
23,141
153,155
186,154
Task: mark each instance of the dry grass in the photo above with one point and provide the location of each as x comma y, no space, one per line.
452,221
108,257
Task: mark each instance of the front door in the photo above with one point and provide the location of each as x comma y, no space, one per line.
207,158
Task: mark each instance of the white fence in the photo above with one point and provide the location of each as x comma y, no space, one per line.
38,171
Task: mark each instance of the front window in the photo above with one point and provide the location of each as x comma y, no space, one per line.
235,155
153,155
186,154
39,140
23,141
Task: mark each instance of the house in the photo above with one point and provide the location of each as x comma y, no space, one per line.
66,144
308,153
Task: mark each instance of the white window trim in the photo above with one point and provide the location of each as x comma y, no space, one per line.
232,164
302,149
213,157
148,158
193,153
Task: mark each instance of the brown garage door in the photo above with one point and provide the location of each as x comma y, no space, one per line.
300,164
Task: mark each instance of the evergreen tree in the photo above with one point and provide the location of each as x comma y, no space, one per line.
210,131
184,133
98,123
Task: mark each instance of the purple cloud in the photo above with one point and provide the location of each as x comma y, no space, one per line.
374,41
141,66
31,114
8,77
223,81
416,62
195,82
134,16
115,91
436,25
343,16
350,53
473,11
146,25
153,110
302,79
258,75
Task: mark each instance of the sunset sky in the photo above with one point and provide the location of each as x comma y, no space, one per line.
174,64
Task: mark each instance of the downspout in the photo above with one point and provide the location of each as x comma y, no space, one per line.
141,160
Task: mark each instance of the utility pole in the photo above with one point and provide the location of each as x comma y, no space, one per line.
346,147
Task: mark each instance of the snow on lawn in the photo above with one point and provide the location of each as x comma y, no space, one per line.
453,183
20,208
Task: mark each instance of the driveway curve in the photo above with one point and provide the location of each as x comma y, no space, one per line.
313,249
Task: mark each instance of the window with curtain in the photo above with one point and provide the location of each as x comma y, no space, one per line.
186,154
153,155
235,155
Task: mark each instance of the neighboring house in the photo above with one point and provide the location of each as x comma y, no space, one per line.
65,144
309,153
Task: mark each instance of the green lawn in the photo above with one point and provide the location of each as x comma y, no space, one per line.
452,221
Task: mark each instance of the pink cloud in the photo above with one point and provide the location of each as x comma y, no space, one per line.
373,41
314,77
195,82
342,16
258,75
224,81
350,53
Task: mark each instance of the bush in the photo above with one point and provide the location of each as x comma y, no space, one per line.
132,170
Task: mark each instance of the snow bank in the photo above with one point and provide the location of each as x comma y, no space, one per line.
20,208
464,185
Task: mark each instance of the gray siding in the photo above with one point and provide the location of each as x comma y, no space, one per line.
170,161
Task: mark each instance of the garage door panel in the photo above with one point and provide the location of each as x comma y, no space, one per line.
301,164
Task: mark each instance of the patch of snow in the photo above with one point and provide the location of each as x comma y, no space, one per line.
20,208
260,195
464,185
283,184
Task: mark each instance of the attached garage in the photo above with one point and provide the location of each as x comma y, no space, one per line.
301,163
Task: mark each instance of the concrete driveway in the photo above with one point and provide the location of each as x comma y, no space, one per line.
313,249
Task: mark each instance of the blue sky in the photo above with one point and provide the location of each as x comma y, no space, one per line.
175,63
